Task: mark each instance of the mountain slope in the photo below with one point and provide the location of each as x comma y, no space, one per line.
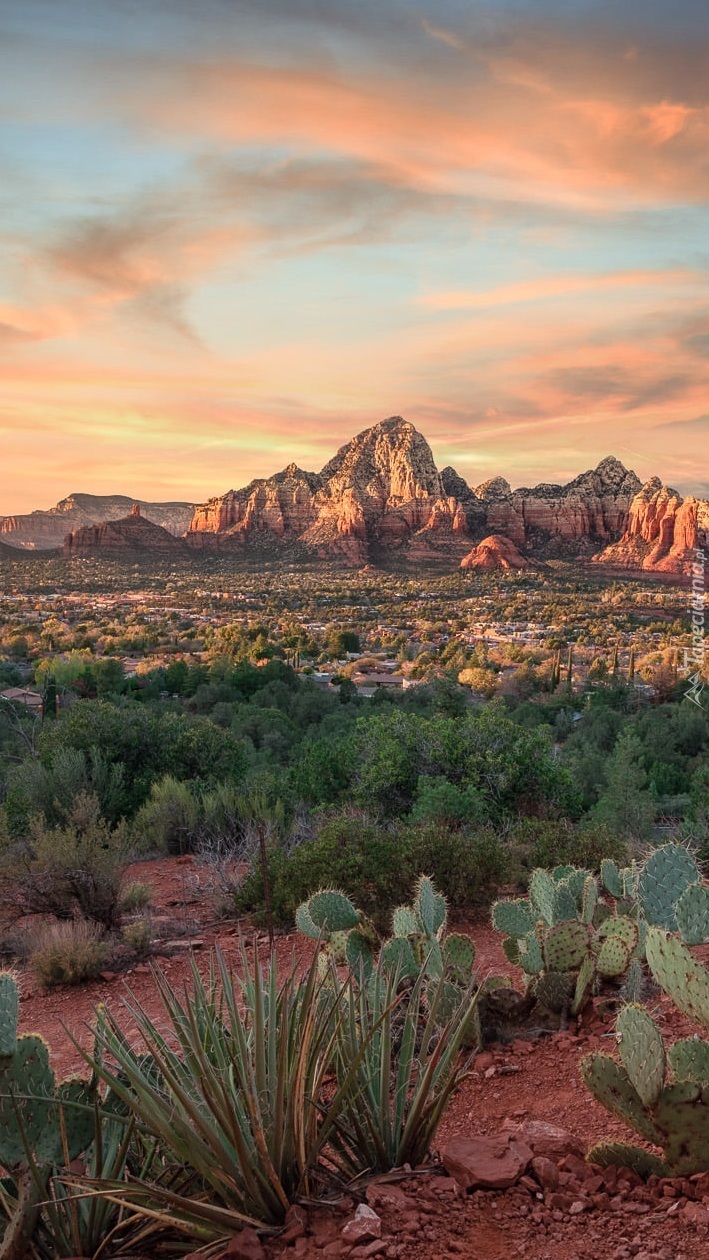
131,535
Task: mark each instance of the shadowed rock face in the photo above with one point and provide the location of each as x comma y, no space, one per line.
46,530
663,533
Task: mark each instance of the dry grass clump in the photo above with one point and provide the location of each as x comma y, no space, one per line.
67,952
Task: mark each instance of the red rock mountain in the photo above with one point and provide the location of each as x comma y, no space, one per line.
663,532
133,534
495,552
45,530
382,497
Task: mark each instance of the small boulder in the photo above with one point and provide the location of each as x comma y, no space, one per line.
364,1227
492,1163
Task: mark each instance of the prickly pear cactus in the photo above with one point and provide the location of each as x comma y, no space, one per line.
641,1053
513,917
679,974
663,878
430,906
405,922
9,1013
565,946
554,990
331,911
692,915
623,1155
611,878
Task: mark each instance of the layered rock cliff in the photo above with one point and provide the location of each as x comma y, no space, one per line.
45,530
572,520
381,491
663,533
132,535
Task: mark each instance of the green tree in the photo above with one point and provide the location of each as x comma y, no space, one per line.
625,804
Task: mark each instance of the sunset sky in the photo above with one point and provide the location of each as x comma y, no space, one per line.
236,232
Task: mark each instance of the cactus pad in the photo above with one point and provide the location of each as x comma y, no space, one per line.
611,878
613,957
511,950
530,956
622,1155
542,890
682,1116
584,985
663,878
692,914
689,1061
589,899
513,917
566,946
565,906
611,1085
9,1014
397,955
430,906
405,922
621,927
679,974
641,1052
332,911
459,954
305,924
360,956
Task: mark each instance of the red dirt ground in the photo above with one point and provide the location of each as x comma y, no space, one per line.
536,1079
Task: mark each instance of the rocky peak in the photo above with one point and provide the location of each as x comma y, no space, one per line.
391,461
494,488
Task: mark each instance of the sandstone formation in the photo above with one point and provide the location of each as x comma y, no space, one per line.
382,491
382,499
132,535
45,530
663,533
495,552
550,520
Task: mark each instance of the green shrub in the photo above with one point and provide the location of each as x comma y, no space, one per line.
137,896
138,937
377,867
534,842
67,953
73,869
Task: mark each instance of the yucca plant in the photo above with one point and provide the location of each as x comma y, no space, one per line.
398,1061
231,1092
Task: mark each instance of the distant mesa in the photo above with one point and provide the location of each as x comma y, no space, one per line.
495,552
381,499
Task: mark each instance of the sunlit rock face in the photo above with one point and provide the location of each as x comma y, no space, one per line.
495,552
37,531
663,533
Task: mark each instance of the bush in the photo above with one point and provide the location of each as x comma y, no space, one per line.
169,819
533,842
138,937
377,867
67,870
67,953
136,897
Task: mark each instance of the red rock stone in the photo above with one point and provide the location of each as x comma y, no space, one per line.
246,1245
495,552
546,1172
548,1140
494,1162
364,1226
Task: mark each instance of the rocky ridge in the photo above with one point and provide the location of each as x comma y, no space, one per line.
382,498
44,530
